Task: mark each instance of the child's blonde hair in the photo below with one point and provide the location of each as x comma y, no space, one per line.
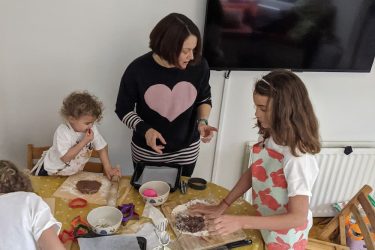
82,103
12,179
293,121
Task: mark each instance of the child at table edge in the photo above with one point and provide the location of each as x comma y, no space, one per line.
26,220
76,138
283,170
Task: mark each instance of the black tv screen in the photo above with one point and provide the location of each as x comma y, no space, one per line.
305,35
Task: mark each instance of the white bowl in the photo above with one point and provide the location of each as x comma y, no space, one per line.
162,189
105,220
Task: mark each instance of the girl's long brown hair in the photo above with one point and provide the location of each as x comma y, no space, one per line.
293,121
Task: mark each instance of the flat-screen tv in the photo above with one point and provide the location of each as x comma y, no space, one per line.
302,35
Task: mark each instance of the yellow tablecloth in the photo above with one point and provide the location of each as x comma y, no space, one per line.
46,186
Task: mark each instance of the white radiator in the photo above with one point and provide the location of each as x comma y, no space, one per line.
340,175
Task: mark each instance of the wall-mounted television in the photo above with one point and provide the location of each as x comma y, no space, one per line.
302,35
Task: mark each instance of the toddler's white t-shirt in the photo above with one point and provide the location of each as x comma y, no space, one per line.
24,216
64,139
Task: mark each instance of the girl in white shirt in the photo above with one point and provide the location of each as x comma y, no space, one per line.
76,138
283,170
26,220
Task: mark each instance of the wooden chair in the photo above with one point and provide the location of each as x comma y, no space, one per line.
34,154
314,244
337,224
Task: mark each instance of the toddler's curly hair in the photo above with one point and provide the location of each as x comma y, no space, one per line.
82,103
12,179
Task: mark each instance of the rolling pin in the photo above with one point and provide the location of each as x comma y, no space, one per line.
112,195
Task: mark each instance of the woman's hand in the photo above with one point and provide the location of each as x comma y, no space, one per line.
206,132
225,224
208,211
151,136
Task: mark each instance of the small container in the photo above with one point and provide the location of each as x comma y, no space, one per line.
168,172
162,189
105,220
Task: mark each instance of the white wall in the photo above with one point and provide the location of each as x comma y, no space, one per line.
50,48
344,104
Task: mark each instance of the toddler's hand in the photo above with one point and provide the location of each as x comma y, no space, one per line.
110,172
89,136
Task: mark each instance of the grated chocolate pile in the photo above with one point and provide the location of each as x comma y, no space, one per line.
187,223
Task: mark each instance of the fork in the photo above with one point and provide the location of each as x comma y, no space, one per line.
164,239
162,234
183,186
162,226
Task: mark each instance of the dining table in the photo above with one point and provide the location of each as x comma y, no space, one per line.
45,186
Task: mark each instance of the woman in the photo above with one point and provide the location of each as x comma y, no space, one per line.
165,96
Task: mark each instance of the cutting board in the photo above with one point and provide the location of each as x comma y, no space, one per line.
189,242
68,189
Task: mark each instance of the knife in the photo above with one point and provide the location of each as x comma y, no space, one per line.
235,244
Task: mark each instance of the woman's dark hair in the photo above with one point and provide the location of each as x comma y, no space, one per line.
12,179
293,121
168,36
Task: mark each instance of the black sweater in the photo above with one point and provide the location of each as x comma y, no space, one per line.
165,99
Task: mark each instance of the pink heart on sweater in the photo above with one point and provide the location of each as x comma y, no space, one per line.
170,103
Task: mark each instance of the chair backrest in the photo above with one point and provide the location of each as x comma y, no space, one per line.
94,164
34,154
352,208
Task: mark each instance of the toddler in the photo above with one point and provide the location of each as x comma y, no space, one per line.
76,138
